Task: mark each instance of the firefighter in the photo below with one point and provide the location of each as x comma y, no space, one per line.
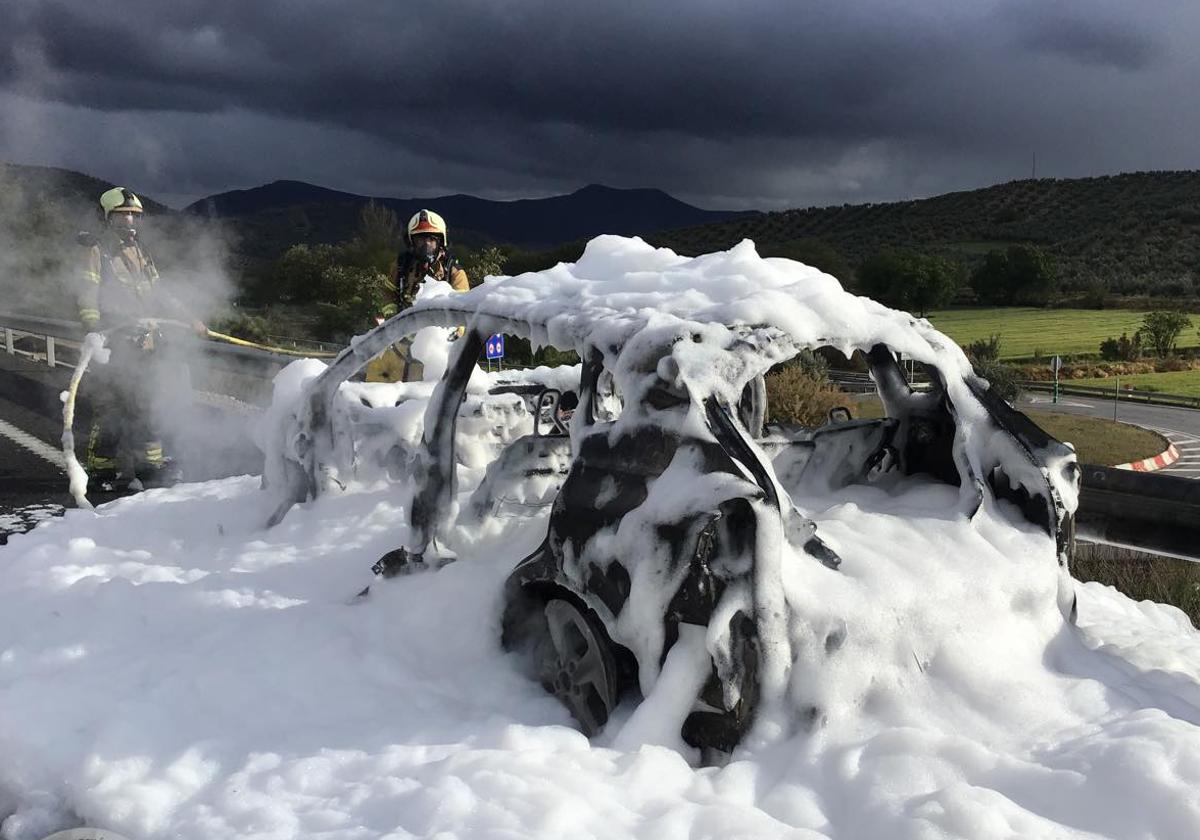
427,255
119,294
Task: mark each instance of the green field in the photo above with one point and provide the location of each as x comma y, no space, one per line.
1184,383
1026,332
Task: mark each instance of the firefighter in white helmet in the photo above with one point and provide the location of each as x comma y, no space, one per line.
119,294
427,255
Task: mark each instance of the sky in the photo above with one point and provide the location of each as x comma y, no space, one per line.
761,104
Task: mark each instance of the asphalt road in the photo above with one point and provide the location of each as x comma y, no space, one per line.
1181,426
33,485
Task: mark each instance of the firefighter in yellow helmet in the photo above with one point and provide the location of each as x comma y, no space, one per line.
427,255
119,294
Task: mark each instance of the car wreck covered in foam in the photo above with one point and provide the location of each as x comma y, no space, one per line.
667,508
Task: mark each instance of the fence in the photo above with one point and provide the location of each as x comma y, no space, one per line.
49,349
1115,393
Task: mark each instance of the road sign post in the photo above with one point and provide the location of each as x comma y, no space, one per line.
1056,366
493,350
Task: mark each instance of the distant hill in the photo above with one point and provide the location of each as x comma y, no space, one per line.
276,215
48,185
1137,233
41,211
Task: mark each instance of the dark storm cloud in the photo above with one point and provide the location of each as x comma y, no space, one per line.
752,104
1091,37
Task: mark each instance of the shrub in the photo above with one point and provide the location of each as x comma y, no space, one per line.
985,349
1123,349
1002,378
796,395
1172,365
242,325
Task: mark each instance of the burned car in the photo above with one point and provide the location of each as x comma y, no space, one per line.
667,507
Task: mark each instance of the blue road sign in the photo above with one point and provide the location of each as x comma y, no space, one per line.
495,347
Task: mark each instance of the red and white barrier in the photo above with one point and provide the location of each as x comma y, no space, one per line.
1163,459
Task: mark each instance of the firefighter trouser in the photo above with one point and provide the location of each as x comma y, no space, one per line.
125,396
395,364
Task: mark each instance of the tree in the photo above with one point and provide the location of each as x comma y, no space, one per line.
990,279
1032,274
1021,275
909,280
820,255
351,298
376,241
296,276
486,262
1160,330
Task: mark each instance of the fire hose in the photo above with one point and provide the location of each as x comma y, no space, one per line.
95,346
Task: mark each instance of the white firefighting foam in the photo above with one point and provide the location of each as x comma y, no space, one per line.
170,668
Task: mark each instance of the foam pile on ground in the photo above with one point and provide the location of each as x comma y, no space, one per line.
169,668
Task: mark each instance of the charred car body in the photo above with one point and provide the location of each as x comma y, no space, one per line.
667,501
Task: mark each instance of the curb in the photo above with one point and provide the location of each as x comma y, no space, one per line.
1163,459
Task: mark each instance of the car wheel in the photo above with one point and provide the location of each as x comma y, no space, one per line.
575,662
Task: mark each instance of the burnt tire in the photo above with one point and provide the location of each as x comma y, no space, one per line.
575,661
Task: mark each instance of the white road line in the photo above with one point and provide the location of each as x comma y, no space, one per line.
1188,436
34,445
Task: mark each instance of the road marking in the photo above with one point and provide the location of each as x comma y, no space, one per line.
1048,401
27,441
1190,435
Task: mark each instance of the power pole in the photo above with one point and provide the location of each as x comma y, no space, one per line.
1033,174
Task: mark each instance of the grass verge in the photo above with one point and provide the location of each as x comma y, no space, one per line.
1099,441
1143,577
1096,441
1183,382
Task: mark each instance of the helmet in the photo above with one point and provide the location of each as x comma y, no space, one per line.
426,221
119,198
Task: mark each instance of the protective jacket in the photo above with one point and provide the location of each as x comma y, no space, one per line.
396,364
119,285
409,273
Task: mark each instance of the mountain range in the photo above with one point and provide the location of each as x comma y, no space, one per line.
1128,234
294,211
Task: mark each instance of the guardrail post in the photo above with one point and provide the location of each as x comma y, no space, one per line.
50,350
8,341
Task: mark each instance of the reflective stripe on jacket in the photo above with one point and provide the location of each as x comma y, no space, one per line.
118,286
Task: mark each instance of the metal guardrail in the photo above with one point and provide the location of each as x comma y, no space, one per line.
304,343
1144,511
243,373
862,383
1114,393
50,333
